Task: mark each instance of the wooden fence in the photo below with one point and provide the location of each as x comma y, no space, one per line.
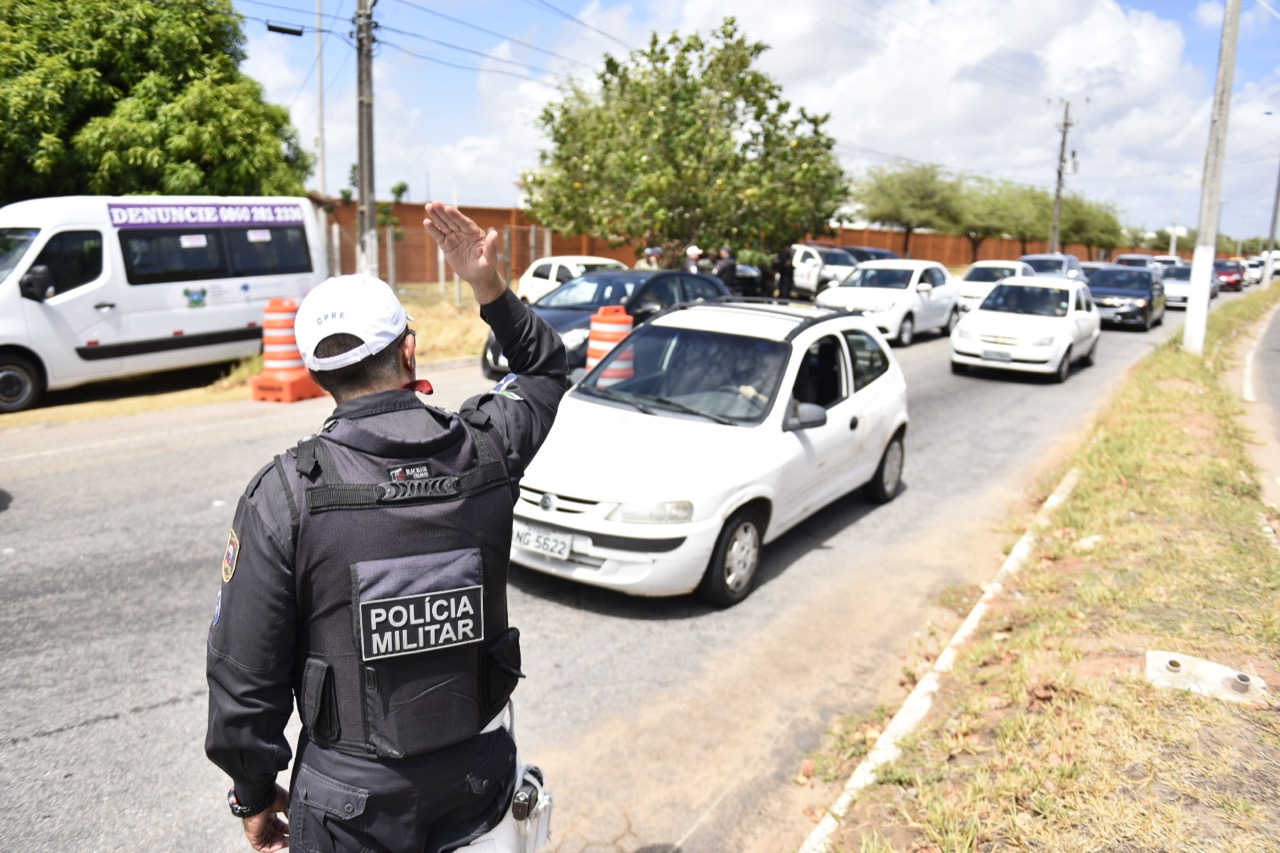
418,260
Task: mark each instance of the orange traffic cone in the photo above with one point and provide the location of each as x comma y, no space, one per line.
609,325
283,379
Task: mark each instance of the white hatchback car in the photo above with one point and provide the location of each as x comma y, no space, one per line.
706,433
976,282
1036,324
546,274
899,296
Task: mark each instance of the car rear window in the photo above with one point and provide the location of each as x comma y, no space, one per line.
1051,265
1126,279
1180,273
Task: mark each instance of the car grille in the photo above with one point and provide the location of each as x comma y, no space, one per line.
1002,340
557,503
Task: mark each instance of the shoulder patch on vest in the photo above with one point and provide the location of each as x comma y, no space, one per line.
230,556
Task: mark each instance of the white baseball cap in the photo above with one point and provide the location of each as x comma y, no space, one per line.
358,305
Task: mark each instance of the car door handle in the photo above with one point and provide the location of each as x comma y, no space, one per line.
102,305
853,422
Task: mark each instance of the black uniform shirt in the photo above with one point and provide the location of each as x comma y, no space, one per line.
251,652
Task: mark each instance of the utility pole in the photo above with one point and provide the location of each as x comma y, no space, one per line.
366,211
320,91
1055,229
1269,267
1211,187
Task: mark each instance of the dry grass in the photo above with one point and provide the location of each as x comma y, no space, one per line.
1046,735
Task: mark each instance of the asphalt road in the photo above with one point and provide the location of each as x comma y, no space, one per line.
662,724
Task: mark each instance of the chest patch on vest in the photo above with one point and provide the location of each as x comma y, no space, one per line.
413,624
416,471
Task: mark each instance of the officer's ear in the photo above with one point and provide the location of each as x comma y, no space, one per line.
408,350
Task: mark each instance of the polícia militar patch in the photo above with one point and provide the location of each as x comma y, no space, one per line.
230,556
413,624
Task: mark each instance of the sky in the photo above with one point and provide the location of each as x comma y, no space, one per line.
979,87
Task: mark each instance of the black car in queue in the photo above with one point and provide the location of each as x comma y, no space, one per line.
644,293
1129,296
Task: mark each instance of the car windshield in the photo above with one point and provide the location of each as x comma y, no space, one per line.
1019,299
1180,273
13,245
1232,266
606,265
710,375
1131,262
837,257
988,273
1125,279
1042,265
894,279
593,290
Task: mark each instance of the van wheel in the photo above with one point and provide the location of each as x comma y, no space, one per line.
731,573
21,383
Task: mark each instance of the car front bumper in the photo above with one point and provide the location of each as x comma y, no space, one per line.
1123,315
638,559
1024,358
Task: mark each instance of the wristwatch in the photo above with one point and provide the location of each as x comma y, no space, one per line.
251,809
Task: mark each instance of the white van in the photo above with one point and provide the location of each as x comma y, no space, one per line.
95,287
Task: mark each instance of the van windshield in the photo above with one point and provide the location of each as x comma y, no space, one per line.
14,243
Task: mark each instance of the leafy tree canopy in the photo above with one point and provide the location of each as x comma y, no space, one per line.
685,141
130,96
910,197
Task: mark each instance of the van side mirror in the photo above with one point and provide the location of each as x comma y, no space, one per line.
37,284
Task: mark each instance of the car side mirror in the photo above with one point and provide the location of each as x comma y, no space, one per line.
805,416
924,287
37,284
646,310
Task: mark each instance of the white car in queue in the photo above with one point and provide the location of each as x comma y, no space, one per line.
900,296
976,281
1034,324
755,414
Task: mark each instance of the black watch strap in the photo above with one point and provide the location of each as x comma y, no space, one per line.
248,809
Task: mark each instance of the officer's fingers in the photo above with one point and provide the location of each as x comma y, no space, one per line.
282,800
491,246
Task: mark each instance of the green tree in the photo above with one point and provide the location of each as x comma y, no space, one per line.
1030,213
1091,224
909,197
986,210
130,96
685,141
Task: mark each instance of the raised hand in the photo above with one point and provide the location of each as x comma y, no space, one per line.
467,248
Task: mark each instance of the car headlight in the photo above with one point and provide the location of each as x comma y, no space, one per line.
574,338
962,331
658,512
1139,303
1043,342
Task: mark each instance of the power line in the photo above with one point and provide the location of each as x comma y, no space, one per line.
562,13
446,62
478,28
480,53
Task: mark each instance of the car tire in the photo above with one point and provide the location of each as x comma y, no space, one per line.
886,483
1064,367
906,331
959,369
1089,356
952,319
1149,320
1160,317
21,383
735,562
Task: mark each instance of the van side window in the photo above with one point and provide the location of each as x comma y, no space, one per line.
268,251
73,258
159,256
869,360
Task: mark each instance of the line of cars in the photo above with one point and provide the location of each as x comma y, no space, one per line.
722,421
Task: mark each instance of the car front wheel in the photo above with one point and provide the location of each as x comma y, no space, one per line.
732,572
1064,367
884,486
952,319
21,384
906,331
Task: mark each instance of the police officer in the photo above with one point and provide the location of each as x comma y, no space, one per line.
365,578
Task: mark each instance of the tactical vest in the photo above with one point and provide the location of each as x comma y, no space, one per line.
400,572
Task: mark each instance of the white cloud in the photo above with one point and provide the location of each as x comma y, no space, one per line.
977,86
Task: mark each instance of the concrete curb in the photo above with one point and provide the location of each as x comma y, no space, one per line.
920,700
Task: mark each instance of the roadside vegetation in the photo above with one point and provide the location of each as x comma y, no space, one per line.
1046,735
